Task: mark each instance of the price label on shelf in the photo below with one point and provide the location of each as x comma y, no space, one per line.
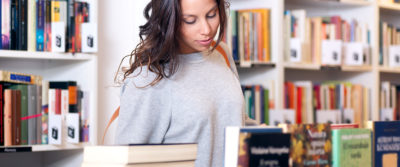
331,52
328,116
285,116
348,116
354,53
394,56
295,50
387,114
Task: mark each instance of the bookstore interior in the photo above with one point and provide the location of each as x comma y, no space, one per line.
323,75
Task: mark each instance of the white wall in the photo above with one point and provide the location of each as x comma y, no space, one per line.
119,22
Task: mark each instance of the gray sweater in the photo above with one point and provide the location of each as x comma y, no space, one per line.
193,106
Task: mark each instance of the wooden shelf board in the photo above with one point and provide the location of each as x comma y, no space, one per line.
256,64
44,55
389,69
390,6
331,3
357,68
45,147
302,66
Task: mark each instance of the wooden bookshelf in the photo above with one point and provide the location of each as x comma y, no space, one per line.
302,66
390,6
41,148
364,68
389,70
44,55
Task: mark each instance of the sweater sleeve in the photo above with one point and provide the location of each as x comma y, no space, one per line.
247,120
145,113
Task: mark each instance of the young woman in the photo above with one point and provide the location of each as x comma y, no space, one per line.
179,88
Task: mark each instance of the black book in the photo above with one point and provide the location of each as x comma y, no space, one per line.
269,149
14,31
23,28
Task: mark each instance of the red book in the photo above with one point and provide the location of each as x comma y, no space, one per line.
343,126
58,102
317,99
1,117
299,105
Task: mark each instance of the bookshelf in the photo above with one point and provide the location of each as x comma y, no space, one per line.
370,75
55,66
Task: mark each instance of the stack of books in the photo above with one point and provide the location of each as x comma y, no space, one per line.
166,155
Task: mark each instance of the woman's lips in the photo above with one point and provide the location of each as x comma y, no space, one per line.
205,42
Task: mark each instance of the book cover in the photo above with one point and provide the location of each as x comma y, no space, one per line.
311,145
1,116
236,143
23,25
269,149
5,23
31,25
386,143
352,147
47,26
24,111
40,24
8,117
32,111
14,29
45,111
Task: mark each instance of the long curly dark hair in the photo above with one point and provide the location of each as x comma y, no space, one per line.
158,44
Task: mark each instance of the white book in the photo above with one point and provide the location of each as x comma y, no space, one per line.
31,26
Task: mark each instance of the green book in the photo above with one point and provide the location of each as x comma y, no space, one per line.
266,106
352,147
24,111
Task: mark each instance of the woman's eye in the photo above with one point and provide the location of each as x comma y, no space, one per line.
213,15
192,21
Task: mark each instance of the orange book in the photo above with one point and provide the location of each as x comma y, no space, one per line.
265,26
357,103
7,117
299,105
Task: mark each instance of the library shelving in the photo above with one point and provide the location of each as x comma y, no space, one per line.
81,67
369,75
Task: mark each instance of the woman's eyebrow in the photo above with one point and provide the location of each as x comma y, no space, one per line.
190,15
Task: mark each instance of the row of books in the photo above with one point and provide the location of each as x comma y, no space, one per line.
249,36
35,111
390,1
389,101
327,40
47,25
389,42
259,100
335,102
334,145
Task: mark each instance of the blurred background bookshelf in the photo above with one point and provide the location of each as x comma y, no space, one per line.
315,42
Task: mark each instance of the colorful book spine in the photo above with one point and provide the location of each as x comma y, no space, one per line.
5,23
40,26
1,115
23,25
8,117
47,26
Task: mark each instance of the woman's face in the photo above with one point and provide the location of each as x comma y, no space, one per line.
199,26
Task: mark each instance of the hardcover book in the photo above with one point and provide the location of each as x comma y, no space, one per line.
352,147
311,145
386,143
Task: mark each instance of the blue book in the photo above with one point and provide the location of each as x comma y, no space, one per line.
386,143
40,21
